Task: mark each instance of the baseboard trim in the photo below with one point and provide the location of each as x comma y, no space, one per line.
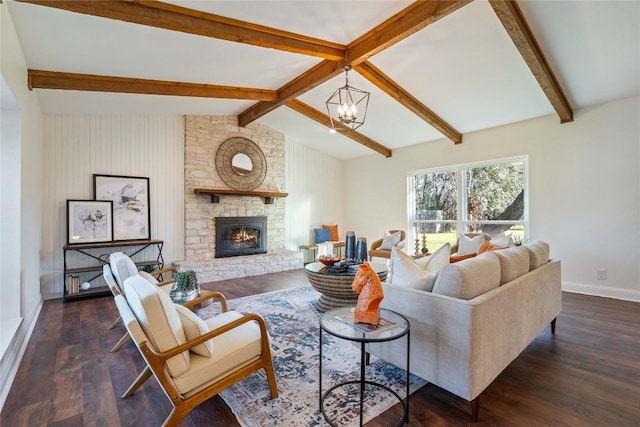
13,358
602,291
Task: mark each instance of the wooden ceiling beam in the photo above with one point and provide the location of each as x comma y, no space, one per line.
324,120
516,25
171,17
39,79
391,88
296,87
403,24
408,21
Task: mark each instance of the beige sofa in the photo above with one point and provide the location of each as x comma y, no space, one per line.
481,314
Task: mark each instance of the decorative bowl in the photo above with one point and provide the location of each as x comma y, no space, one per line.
329,261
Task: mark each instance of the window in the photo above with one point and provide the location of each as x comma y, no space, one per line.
488,197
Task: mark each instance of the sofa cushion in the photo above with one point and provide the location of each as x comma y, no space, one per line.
334,236
514,262
321,235
469,278
469,245
417,274
389,240
159,320
538,253
193,327
234,348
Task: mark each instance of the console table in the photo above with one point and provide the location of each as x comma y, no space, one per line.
91,267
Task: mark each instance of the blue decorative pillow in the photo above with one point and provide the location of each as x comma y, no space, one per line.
322,235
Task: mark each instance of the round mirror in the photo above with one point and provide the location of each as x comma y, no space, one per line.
241,164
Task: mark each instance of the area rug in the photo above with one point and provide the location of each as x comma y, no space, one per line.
292,320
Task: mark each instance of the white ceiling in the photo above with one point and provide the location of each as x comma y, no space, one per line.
464,67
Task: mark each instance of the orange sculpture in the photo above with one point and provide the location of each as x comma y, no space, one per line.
367,285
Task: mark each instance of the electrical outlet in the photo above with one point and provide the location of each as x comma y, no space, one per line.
601,274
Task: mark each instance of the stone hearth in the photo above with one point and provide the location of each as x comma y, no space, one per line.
242,266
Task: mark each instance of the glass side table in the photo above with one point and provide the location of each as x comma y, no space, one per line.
339,323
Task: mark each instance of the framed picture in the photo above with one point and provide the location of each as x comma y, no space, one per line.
131,204
89,221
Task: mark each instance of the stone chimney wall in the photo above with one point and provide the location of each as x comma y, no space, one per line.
203,136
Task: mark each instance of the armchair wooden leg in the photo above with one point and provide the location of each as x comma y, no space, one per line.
125,338
553,325
115,323
177,414
271,377
144,375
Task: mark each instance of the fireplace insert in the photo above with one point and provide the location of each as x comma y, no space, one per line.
240,235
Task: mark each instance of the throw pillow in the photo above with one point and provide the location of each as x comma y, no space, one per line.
469,245
321,235
193,327
502,240
456,258
487,246
390,240
333,229
418,274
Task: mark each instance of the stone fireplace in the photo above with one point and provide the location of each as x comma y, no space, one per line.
236,236
203,136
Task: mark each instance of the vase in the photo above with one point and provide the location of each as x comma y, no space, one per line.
361,249
350,246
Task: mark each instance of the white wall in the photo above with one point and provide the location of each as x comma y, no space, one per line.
29,182
584,189
76,147
10,135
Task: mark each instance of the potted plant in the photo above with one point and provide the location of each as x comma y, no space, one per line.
186,287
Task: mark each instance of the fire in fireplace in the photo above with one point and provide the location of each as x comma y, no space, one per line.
240,235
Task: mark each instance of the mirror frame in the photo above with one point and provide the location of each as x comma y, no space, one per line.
224,157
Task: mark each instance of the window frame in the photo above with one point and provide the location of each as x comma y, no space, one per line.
461,222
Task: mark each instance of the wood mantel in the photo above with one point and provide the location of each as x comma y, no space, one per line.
215,194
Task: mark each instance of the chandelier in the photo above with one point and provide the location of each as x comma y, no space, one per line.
348,105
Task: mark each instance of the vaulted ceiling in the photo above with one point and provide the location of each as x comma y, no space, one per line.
436,69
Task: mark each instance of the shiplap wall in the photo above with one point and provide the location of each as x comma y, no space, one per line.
315,187
76,147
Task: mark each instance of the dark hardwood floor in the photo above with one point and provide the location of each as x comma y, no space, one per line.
587,374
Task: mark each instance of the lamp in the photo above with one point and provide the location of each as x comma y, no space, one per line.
348,105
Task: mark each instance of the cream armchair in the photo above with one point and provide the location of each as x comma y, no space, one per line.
193,360
121,267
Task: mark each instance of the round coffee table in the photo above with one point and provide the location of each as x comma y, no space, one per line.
336,287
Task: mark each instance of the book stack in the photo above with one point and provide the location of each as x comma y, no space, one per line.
73,284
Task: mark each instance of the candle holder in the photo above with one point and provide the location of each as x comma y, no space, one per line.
424,243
